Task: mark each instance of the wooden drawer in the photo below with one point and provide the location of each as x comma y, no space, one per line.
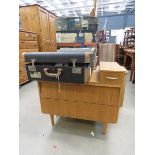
111,78
27,36
28,45
81,93
22,70
23,78
21,51
21,62
22,74
111,73
80,110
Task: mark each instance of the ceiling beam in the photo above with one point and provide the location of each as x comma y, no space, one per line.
52,3
73,7
68,2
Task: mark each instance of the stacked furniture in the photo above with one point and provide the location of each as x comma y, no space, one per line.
129,38
35,18
98,100
119,55
27,43
84,27
130,53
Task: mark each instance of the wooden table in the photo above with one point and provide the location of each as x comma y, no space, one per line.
98,100
130,53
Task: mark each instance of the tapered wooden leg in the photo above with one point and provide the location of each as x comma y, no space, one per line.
52,119
105,126
132,68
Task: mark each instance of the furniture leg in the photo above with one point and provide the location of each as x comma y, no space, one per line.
131,74
133,81
105,126
125,57
52,119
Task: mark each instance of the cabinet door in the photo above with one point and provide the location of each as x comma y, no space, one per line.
45,31
52,32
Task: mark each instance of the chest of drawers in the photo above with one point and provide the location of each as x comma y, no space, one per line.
98,100
27,43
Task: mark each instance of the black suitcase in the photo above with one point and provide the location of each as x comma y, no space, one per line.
67,67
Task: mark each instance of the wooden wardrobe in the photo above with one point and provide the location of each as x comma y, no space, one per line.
37,19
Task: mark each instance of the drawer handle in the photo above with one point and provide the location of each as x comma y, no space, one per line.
27,35
56,75
111,78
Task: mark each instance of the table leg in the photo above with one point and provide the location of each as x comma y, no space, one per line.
105,126
125,57
52,119
131,74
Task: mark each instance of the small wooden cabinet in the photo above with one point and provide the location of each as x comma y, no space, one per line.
37,19
27,43
98,100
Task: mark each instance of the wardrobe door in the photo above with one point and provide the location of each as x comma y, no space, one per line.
52,32
45,31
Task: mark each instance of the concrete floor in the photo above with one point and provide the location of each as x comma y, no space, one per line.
73,136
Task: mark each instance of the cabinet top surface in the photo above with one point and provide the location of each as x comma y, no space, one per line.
111,66
37,5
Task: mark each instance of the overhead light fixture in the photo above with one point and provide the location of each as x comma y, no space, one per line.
58,2
61,6
90,2
79,4
111,7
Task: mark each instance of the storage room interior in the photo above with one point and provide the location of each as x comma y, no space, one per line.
76,77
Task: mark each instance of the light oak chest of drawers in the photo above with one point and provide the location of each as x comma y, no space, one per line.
98,100
27,43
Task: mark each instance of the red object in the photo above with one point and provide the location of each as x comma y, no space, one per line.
75,44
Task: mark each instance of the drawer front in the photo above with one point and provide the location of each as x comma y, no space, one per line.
25,36
111,78
22,70
80,110
81,93
21,51
21,62
22,75
22,78
28,45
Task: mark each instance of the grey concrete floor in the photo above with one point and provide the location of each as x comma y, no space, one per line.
73,136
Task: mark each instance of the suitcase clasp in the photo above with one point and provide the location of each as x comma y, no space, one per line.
74,62
32,68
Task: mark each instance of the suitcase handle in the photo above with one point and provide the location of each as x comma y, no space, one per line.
56,75
111,78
